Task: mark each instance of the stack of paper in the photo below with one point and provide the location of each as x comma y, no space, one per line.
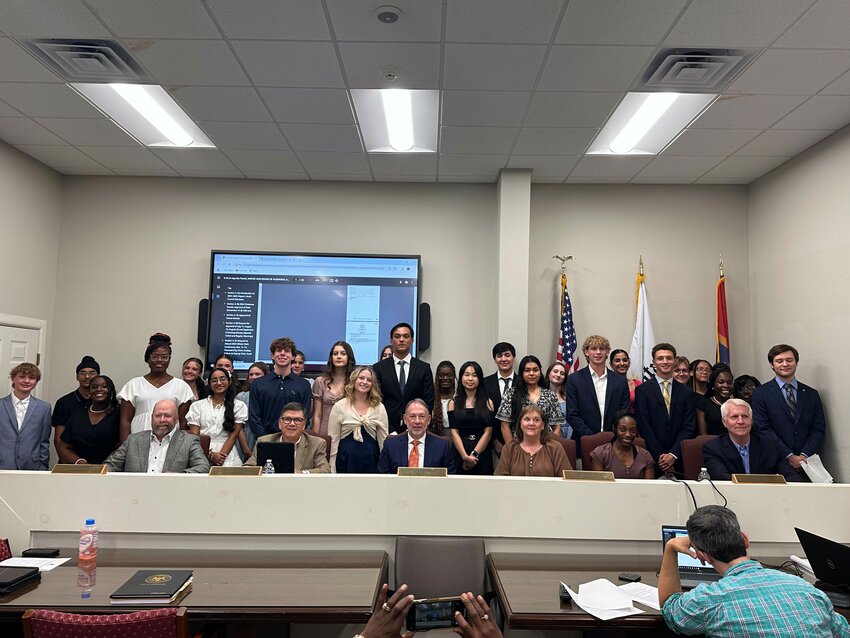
603,599
43,564
643,594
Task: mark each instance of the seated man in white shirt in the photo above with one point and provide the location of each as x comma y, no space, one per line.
164,448
416,447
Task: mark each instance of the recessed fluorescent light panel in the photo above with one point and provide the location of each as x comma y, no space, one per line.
645,123
147,113
397,120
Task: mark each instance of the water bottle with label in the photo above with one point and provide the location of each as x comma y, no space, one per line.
89,536
268,468
703,475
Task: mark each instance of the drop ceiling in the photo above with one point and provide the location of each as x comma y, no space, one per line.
524,84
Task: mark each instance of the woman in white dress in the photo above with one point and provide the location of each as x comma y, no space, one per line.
140,394
220,416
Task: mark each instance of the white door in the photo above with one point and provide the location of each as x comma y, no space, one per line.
17,345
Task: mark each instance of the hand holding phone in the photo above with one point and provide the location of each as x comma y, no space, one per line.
434,613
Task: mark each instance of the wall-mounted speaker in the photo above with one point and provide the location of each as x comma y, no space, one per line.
423,329
203,322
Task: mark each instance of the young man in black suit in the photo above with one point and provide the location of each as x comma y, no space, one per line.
402,377
498,383
665,411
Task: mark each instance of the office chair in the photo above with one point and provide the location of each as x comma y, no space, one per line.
168,622
692,459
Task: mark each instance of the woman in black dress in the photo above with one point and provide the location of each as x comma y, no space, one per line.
471,419
91,433
720,385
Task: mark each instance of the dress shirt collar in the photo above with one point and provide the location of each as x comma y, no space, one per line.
166,439
406,360
661,381
782,383
16,401
597,377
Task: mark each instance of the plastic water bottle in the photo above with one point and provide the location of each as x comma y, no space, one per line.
86,577
88,540
268,468
703,475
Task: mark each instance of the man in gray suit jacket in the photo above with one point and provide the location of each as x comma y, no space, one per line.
24,423
162,449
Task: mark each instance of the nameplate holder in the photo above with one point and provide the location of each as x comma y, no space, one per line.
70,468
236,470
587,475
752,479
423,471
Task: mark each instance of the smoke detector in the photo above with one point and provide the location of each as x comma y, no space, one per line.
388,14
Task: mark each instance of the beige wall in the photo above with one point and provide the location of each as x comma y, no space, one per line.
799,273
680,230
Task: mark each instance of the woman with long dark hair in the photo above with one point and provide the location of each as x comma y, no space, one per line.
555,380
620,362
91,434
471,415
225,361
527,391
330,387
221,417
444,391
700,371
192,374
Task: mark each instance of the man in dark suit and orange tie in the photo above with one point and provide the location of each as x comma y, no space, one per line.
402,377
416,447
789,410
665,411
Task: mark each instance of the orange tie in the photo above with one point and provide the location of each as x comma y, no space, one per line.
413,459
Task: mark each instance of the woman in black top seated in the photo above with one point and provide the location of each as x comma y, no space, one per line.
471,420
91,434
719,391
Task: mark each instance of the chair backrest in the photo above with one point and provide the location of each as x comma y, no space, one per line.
167,622
692,455
569,447
205,444
5,550
593,441
327,440
434,567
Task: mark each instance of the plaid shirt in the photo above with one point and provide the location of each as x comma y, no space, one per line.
753,601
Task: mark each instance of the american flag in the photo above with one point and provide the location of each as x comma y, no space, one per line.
567,343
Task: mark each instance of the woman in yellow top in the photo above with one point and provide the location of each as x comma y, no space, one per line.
534,452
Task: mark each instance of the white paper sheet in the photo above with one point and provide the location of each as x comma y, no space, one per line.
43,564
643,594
603,599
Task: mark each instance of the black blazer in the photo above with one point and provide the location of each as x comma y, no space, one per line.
663,434
722,458
802,435
583,408
418,384
493,387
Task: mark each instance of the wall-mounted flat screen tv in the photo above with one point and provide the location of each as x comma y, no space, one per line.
316,299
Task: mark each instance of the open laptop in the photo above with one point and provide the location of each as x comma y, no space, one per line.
692,572
282,455
830,561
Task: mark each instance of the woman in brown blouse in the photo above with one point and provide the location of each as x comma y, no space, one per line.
622,457
533,452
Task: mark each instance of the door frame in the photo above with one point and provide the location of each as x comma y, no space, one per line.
30,323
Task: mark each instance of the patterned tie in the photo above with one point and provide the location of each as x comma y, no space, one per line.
413,459
745,457
21,412
790,399
665,392
401,377
506,383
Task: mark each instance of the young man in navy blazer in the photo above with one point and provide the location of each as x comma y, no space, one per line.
661,427
416,447
594,393
24,423
789,410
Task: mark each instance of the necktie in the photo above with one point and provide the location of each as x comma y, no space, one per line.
665,392
790,399
21,412
745,457
413,459
401,378
506,383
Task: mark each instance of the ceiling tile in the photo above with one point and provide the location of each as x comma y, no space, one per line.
198,159
740,23
662,180
335,138
617,22
46,100
484,108
348,163
88,132
137,159
747,111
471,165
20,130
743,170
597,180
300,175
271,19
571,109
249,135
697,142
405,178
8,111
62,158
20,66
823,26
341,177
51,19
840,87
791,72
224,174
820,112
190,62
363,61
678,167
308,64
221,103
526,22
609,167
156,18
545,166
147,172
265,161
782,143
476,140
356,20
319,106
401,164
593,68
468,179
491,66
554,141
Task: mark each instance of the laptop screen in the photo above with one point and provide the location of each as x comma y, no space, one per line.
686,563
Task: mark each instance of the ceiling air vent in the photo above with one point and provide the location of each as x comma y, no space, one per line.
98,61
694,70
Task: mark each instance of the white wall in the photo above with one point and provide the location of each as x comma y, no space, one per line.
800,277
680,230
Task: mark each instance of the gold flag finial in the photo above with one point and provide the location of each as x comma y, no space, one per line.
563,259
721,265
641,266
